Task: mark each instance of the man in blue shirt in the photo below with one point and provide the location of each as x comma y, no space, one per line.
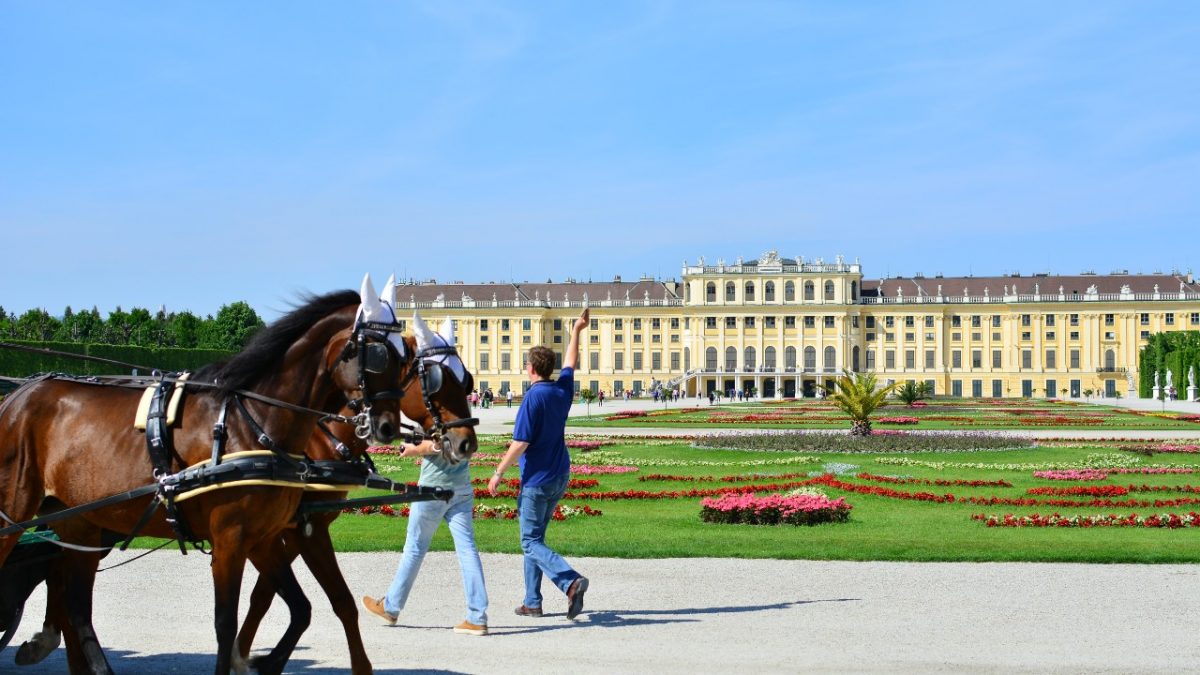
539,444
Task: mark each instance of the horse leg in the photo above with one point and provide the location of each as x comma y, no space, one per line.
317,551
260,601
272,560
77,574
45,641
228,564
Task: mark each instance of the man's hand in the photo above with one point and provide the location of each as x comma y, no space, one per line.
422,449
494,484
583,320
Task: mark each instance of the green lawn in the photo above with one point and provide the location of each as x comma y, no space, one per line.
939,414
880,528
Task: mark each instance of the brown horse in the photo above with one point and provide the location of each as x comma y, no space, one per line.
74,441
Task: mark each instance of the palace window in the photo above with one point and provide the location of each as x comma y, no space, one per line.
618,338
558,324
929,322
619,324
1026,358
810,291
594,324
1074,358
483,339
870,359
749,359
976,321
1074,320
956,358
655,323
769,322
619,361
749,291
674,360
1026,335
637,337
889,360
908,322
730,359
769,291
995,321
1110,320
1196,318
769,357
910,358
1145,319
1169,317
889,321
594,360
656,337
956,321
789,322
810,322
505,339
830,359
1048,319
483,324
526,324
1051,359
675,323
789,292
748,322
870,322
483,361
1049,335
829,322
1026,319
710,359
710,292
810,358
976,358
503,324
637,324
996,358
637,360
731,322
506,361
929,358
730,292
829,290
789,357
710,322
1074,335
854,321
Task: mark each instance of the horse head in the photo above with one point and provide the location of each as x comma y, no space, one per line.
439,402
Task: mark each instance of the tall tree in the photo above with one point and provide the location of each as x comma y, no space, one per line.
37,325
232,327
183,329
82,327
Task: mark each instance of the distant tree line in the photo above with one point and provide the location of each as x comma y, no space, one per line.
138,327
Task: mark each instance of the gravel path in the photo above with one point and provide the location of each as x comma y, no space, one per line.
693,615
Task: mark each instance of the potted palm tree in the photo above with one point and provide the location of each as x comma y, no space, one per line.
858,395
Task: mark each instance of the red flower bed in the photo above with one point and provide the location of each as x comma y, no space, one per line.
898,420
774,510
626,415
515,483
831,481
1087,490
925,481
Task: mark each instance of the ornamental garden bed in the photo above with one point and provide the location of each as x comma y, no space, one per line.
635,497
948,414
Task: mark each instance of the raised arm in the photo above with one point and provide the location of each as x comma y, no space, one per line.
571,358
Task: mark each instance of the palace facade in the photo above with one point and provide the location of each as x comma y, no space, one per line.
782,326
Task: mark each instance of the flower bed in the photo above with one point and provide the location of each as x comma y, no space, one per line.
1080,490
482,511
925,481
626,415
774,510
786,441
1164,520
898,420
1072,474
602,469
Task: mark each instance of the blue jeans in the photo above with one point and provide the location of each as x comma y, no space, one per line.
535,506
423,521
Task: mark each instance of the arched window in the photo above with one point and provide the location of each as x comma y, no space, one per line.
810,358
854,291
710,359
789,357
769,357
730,292
854,359
830,358
810,291
1110,359
748,363
789,292
749,291
828,290
730,359
769,291
710,292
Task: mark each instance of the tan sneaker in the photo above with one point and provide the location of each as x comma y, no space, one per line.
468,628
375,606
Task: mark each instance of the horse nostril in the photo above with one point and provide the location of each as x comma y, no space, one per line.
386,432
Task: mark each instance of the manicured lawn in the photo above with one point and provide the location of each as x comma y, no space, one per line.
939,413
880,527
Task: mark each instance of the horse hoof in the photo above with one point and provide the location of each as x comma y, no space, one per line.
263,665
237,665
37,649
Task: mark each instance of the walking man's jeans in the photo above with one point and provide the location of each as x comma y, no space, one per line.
535,507
423,521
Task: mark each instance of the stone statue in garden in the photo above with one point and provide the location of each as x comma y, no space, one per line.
1192,376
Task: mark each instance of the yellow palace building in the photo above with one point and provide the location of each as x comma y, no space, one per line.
781,326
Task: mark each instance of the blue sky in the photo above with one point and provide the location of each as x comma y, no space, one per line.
194,154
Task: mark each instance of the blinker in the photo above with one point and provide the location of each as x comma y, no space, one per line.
431,379
375,358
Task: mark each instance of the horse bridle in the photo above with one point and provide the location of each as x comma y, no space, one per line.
373,358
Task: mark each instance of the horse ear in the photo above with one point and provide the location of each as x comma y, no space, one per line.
421,331
369,299
447,331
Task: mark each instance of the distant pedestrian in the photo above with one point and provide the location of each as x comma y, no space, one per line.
508,395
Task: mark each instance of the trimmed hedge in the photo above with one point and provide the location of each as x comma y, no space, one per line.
14,363
889,442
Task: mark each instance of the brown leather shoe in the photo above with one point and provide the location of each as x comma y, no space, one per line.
575,596
375,606
528,611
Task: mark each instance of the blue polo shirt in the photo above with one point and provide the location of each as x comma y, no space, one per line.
541,422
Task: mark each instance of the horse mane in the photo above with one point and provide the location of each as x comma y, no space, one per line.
264,352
